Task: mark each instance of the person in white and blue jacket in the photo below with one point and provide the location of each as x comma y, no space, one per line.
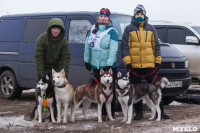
101,48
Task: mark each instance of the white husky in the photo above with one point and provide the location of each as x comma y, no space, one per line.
64,93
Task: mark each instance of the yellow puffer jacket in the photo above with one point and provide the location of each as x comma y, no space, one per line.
140,46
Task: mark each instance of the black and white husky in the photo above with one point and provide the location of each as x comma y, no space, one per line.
44,98
129,94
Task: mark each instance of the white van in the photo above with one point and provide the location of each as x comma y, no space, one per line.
186,38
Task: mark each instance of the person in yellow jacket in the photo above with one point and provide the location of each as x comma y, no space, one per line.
140,51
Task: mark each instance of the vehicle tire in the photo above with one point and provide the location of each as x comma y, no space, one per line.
8,86
168,99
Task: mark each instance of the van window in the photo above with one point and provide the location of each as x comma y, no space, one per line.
78,30
120,22
161,33
10,29
35,27
178,35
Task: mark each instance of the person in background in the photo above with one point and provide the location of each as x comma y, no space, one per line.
140,51
101,47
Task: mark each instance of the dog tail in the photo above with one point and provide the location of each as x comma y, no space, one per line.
164,82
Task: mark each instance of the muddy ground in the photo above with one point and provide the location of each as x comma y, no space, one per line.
185,116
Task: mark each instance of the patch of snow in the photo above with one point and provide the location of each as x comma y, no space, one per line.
176,103
29,91
89,126
15,121
8,112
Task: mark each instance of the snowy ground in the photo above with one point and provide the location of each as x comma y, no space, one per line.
183,117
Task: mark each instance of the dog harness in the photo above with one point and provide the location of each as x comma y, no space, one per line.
92,88
105,95
45,101
122,92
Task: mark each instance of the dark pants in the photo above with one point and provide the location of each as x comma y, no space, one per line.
97,76
137,80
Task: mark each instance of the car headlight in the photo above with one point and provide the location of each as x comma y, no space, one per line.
186,64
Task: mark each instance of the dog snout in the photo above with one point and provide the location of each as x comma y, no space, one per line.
107,80
128,84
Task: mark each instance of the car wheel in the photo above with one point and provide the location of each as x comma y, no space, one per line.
8,86
169,99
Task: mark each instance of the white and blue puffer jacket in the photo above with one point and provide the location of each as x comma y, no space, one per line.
109,47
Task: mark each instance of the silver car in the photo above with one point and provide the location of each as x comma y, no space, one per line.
186,38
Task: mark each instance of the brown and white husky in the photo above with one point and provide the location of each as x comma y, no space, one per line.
102,93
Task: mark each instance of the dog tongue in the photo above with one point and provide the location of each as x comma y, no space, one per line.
107,83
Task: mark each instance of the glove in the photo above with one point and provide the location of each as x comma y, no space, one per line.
88,66
157,65
128,67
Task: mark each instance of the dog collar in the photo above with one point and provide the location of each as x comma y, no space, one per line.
62,86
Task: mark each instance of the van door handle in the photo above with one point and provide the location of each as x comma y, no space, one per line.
9,53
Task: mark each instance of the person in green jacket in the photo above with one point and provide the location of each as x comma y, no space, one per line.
51,51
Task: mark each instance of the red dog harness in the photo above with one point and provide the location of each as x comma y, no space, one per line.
92,88
104,94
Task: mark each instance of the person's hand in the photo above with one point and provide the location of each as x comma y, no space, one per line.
128,67
88,66
157,65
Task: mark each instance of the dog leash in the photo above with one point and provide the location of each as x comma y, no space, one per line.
155,70
91,80
144,75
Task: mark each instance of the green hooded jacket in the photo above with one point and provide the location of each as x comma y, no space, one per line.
52,52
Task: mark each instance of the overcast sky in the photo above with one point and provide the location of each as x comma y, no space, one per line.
171,10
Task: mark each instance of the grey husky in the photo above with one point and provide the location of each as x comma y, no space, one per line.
129,94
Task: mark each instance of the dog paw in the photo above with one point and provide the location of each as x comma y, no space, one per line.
99,121
73,121
112,119
128,122
64,122
54,121
157,119
58,122
123,121
151,118
39,121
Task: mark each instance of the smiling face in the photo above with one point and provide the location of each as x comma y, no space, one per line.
55,32
103,19
106,77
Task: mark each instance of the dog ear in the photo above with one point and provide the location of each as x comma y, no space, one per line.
53,71
119,74
63,72
47,77
110,71
101,71
127,74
